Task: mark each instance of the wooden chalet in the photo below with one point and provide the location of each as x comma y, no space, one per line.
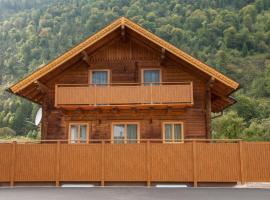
122,97
126,84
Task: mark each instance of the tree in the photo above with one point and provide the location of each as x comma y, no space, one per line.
229,126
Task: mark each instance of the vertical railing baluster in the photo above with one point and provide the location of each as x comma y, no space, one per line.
151,87
95,94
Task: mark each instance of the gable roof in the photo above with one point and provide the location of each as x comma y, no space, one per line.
104,32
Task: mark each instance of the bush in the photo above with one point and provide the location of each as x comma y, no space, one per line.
33,134
7,132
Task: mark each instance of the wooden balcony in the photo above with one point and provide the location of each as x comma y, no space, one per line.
119,95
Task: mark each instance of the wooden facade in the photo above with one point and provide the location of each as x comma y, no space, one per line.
186,93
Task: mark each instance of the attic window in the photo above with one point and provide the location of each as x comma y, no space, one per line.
151,76
99,77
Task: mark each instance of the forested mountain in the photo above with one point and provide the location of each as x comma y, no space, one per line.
231,35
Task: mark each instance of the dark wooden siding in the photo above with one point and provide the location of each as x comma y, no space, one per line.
125,61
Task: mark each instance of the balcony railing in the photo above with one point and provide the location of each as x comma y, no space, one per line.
124,94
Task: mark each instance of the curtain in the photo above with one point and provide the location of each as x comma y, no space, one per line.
99,77
177,132
118,133
131,133
168,132
74,134
83,134
151,76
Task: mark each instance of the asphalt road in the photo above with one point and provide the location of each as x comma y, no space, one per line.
127,193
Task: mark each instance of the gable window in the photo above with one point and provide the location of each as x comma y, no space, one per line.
78,133
151,76
127,132
173,132
99,77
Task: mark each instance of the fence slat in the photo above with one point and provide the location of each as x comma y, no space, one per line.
148,167
241,159
13,163
102,163
57,172
194,151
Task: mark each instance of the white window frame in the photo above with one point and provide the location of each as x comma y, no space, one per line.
78,141
125,123
172,123
151,69
99,70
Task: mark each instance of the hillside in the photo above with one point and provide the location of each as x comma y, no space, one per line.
231,35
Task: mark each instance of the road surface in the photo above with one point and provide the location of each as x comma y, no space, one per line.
128,193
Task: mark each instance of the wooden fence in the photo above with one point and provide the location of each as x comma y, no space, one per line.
147,162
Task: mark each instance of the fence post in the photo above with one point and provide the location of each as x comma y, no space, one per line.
102,163
148,163
241,159
13,163
57,170
194,151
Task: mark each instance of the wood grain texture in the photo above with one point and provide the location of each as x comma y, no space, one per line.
144,162
217,162
256,162
35,162
101,96
171,162
125,162
125,66
5,162
80,162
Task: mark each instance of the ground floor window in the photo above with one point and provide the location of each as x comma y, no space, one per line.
173,132
125,132
78,133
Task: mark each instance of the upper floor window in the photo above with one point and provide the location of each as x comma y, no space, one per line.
173,132
151,76
78,133
125,132
99,77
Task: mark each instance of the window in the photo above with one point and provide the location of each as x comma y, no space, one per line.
78,133
99,77
151,76
125,132
173,132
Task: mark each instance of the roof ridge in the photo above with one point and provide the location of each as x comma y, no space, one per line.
105,31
